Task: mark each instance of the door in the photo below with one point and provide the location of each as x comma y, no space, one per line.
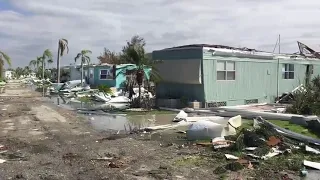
91,75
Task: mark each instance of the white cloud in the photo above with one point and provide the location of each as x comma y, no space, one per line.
31,26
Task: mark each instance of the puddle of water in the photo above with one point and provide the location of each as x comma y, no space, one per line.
71,104
108,121
129,122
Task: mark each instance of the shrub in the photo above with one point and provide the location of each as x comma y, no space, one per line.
308,102
106,89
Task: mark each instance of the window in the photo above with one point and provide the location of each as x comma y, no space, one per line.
226,70
106,74
288,71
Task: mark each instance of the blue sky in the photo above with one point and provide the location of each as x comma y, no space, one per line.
28,27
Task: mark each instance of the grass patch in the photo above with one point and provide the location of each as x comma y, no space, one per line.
85,99
190,161
294,128
246,124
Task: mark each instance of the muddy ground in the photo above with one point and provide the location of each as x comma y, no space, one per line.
42,141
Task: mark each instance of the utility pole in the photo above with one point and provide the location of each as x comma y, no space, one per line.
278,66
58,64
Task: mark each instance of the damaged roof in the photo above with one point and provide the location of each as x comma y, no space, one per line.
212,46
304,50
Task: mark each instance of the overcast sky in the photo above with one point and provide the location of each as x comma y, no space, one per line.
28,27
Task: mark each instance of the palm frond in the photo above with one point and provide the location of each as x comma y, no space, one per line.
47,54
85,51
33,62
63,45
77,57
5,57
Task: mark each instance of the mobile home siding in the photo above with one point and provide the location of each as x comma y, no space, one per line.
179,90
255,79
98,81
193,92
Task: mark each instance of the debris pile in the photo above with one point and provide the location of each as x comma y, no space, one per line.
251,147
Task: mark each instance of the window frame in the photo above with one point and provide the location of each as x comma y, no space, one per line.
286,70
100,70
226,70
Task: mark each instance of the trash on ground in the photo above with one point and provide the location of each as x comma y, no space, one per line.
311,164
273,141
204,129
180,116
310,149
231,157
221,142
250,148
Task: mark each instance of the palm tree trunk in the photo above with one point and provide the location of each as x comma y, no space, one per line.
1,68
139,76
81,73
43,66
58,65
139,97
43,69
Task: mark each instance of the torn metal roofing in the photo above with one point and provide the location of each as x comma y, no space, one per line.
305,51
211,46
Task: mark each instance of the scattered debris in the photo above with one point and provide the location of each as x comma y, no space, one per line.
310,149
180,116
221,142
103,159
311,164
273,141
231,157
204,129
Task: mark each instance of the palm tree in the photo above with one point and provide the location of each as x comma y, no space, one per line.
47,55
35,63
4,58
62,48
84,59
26,71
134,53
49,61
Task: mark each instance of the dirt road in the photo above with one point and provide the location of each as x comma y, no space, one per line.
42,141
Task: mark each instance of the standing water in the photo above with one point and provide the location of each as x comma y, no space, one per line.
113,121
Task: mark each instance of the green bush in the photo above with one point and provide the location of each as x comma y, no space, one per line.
106,89
308,102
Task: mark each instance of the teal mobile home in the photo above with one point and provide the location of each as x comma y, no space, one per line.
104,74
225,76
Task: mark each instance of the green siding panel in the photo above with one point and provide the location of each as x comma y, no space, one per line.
177,54
255,79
